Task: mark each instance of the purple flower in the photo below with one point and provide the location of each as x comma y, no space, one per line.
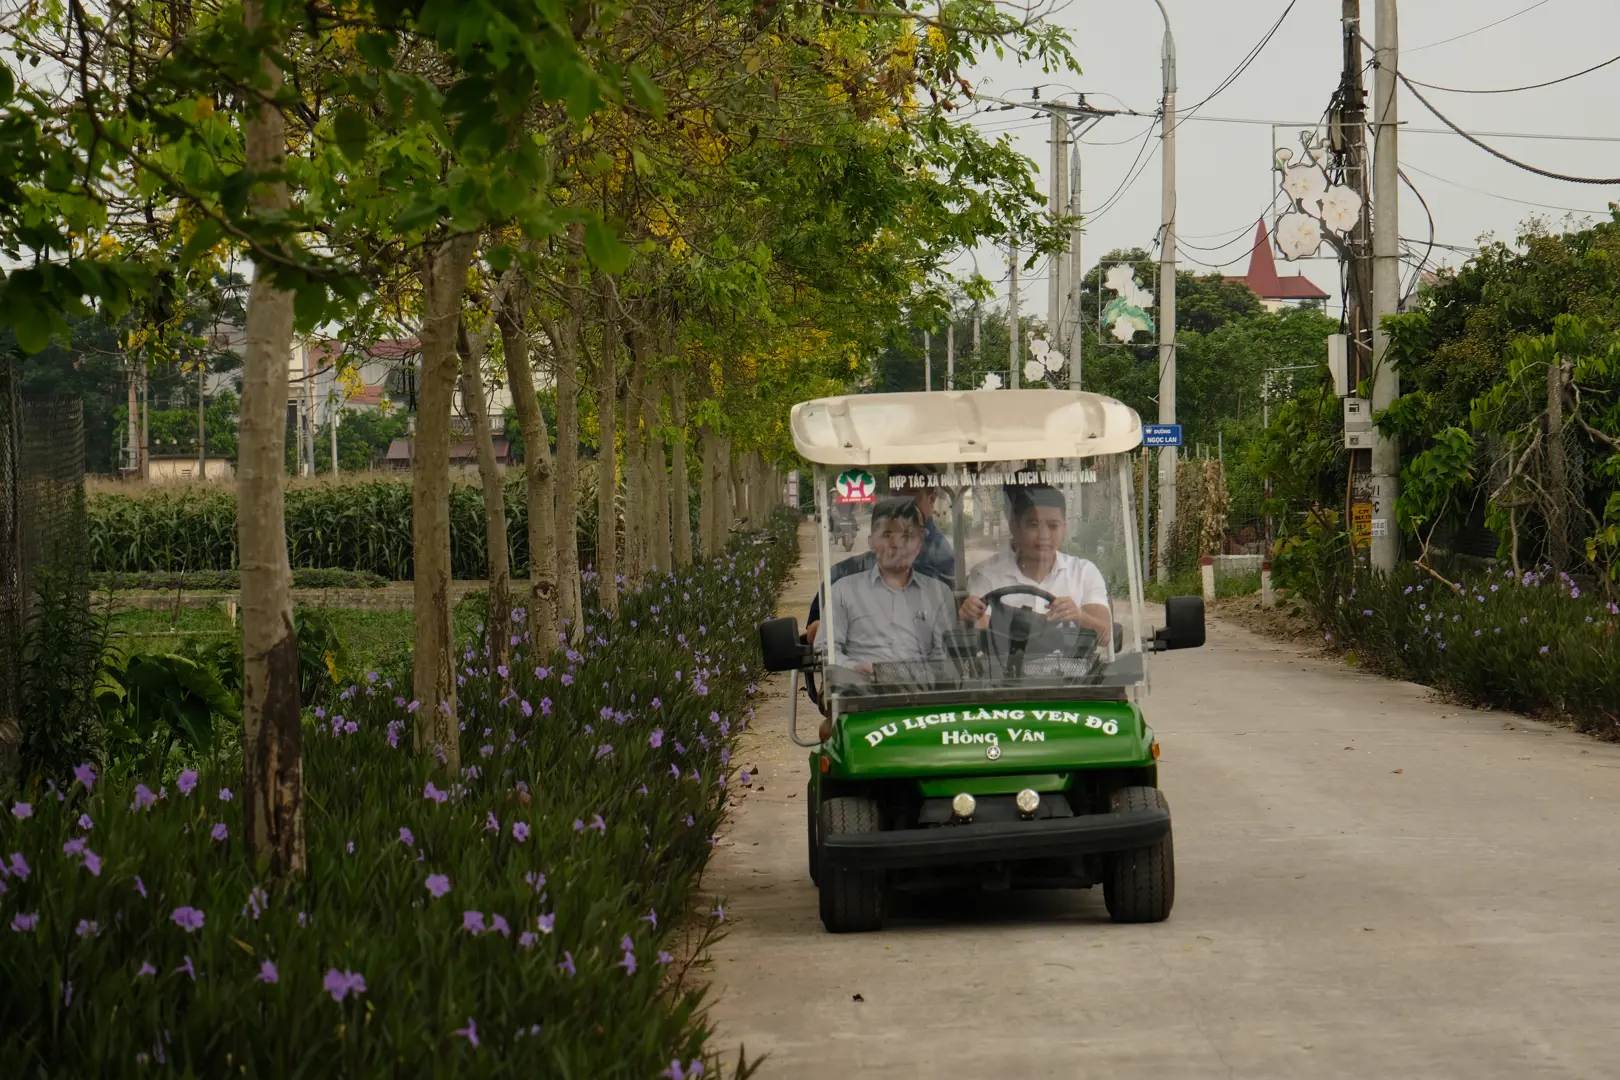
438,885
405,837
348,847
188,919
598,824
431,792
87,928
743,776
19,867
665,958
651,917
143,797
187,968
491,822
546,923
719,913
186,781
92,862
520,831
497,924
225,794
257,901
74,846
628,963
340,984
656,738
24,924
579,824
567,679
268,973
22,810
528,710
674,1072
1545,649
473,922
470,1032
536,880
146,969
219,832
85,775
140,886
527,939
486,750
86,824
567,964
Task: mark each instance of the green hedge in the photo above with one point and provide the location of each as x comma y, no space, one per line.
530,917
362,526
226,580
1536,643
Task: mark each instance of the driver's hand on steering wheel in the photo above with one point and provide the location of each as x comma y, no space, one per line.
972,609
1062,610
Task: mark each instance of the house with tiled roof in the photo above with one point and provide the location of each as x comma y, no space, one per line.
1275,290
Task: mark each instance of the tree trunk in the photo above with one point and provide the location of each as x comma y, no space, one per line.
638,501
1554,484
658,488
726,506
498,619
564,334
709,490
607,455
537,474
681,504
272,727
444,281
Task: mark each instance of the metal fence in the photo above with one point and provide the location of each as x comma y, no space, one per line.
42,530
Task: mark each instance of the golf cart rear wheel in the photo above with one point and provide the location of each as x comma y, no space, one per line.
852,901
1140,885
810,819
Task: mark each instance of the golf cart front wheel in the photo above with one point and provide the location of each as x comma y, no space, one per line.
1140,885
852,901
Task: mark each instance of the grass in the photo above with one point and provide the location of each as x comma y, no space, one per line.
1190,583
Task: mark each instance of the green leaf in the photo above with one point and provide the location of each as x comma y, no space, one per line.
8,84
352,131
376,49
205,236
648,94
602,244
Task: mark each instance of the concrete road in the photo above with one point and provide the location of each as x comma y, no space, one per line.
1370,883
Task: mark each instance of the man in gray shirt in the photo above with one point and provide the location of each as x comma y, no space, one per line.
889,612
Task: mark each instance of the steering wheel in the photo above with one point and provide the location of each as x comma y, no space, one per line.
995,595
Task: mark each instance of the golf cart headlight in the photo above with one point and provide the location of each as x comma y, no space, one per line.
1028,802
962,806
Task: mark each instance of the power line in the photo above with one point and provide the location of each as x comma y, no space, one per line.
1477,29
1125,185
1243,65
1430,215
1491,150
1518,89
1504,198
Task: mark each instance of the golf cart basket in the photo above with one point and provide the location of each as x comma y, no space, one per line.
1001,486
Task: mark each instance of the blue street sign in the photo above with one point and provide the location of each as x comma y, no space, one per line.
1161,434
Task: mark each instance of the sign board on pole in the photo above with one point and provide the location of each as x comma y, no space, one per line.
1161,434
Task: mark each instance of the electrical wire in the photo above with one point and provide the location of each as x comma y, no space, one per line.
1418,273
1477,29
1504,198
1491,150
1518,89
1243,65
1130,179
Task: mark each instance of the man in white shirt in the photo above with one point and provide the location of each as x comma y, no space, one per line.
1038,524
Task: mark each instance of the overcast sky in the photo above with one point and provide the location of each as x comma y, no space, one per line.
1224,174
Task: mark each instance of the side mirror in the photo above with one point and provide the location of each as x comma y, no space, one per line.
1183,623
781,646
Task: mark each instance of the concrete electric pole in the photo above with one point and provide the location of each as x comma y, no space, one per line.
950,352
1167,300
1012,311
1056,206
1386,452
1076,271
928,361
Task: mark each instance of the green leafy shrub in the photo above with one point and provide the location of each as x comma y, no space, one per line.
363,526
229,580
531,916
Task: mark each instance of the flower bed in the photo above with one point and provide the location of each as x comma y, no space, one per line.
1532,643
524,918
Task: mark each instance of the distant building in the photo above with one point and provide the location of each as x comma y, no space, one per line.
463,455
1275,291
180,468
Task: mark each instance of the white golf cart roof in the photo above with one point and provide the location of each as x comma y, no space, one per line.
947,426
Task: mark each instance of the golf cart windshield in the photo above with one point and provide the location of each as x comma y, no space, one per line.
1005,577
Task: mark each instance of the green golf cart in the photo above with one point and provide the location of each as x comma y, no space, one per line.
979,668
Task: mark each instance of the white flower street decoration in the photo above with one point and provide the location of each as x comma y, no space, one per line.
1318,209
992,381
1048,365
1127,312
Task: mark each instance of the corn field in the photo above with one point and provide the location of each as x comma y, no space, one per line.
363,526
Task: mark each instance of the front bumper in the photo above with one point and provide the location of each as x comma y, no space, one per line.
1009,841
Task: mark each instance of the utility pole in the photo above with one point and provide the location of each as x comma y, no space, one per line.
1167,300
1351,141
1386,452
950,352
928,361
1076,271
1057,201
202,425
1012,312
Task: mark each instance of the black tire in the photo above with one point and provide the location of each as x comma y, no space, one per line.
852,901
810,820
1140,885
849,543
